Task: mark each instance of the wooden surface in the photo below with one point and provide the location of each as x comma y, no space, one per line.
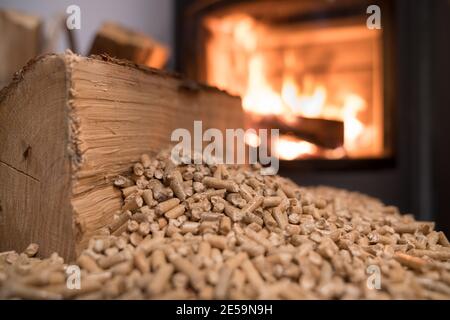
322,132
34,171
83,121
21,38
123,43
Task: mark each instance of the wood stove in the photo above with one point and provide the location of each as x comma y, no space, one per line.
296,65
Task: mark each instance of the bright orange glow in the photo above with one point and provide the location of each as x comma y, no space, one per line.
252,139
302,104
353,128
261,99
250,59
290,149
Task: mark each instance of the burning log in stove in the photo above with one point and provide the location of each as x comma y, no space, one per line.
321,132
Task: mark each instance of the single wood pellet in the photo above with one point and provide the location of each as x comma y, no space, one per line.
226,232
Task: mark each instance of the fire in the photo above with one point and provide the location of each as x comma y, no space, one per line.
289,149
252,139
353,128
302,104
260,98
271,82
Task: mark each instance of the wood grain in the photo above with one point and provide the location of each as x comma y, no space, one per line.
35,171
86,120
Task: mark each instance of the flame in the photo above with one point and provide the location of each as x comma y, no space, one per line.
287,94
260,98
289,149
352,126
252,139
243,32
302,104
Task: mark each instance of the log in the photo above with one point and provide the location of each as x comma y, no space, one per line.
69,125
21,40
123,43
322,132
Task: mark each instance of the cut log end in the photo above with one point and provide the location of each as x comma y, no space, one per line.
67,123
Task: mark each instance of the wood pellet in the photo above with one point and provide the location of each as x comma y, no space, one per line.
226,232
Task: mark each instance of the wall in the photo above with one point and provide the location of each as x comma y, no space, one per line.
440,141
153,17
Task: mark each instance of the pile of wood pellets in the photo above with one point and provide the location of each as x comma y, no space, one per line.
201,231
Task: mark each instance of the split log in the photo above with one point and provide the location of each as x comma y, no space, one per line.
322,132
69,125
123,43
21,40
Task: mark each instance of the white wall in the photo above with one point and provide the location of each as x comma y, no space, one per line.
153,17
